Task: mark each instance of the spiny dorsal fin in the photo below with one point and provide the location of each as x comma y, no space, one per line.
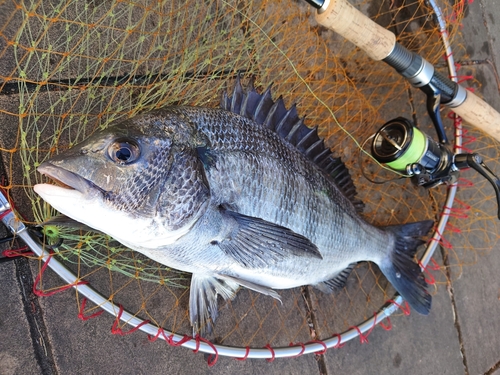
289,126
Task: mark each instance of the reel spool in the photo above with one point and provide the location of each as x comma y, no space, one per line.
401,146
404,148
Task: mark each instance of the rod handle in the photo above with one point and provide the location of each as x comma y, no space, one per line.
477,112
378,42
343,18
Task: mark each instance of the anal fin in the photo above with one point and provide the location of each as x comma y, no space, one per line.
336,283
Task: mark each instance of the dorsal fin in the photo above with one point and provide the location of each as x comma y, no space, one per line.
289,126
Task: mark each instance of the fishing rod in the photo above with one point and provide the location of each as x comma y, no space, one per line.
380,44
399,144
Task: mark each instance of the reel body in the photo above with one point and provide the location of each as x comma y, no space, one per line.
404,148
401,146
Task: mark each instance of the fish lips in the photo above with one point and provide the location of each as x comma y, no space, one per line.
70,179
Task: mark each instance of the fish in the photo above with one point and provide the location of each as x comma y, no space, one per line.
244,195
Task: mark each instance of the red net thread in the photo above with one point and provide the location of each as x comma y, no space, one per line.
387,326
451,228
171,341
458,11
428,277
463,182
433,265
41,293
339,343
363,339
459,212
301,345
467,138
463,149
155,337
268,346
320,352
457,123
116,329
81,312
405,308
5,213
212,358
442,241
247,351
461,79
375,322
22,251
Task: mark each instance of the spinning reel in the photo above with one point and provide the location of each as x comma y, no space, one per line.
401,146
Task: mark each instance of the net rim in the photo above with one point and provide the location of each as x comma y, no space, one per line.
193,343
18,228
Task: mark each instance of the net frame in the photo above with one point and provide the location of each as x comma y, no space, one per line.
17,227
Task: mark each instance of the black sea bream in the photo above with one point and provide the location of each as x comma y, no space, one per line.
242,195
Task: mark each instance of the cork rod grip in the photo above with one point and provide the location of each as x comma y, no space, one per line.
341,17
477,112
378,42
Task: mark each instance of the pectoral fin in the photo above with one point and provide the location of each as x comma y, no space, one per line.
256,243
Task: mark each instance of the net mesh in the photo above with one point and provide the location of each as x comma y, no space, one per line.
69,68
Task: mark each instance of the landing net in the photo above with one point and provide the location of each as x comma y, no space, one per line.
69,68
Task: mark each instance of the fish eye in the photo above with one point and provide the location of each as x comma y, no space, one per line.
124,151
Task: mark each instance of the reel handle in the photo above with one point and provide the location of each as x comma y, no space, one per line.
476,162
380,44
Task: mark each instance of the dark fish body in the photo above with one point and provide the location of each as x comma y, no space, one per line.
245,195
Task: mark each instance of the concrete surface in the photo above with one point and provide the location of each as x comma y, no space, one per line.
460,336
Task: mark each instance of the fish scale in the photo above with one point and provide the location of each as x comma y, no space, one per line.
240,162
240,196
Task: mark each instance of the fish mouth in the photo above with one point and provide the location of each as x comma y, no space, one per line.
68,180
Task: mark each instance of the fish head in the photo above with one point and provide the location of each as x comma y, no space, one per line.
117,182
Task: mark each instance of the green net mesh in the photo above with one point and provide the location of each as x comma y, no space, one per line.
69,68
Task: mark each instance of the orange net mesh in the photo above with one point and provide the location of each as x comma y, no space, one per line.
68,68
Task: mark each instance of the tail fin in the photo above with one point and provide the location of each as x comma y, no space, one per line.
401,269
